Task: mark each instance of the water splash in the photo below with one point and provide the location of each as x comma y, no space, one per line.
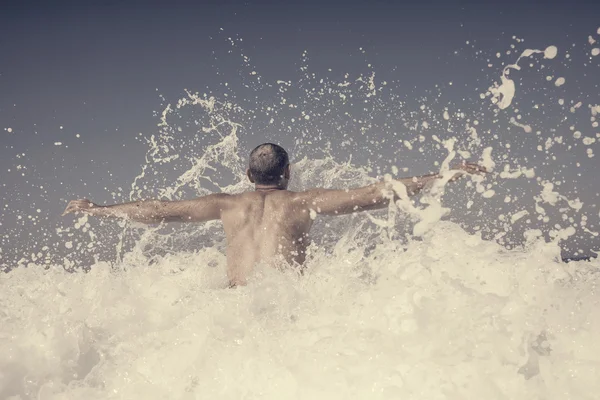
418,320
459,294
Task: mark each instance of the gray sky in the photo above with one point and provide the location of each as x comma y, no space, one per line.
101,70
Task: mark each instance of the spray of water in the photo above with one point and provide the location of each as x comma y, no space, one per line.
460,294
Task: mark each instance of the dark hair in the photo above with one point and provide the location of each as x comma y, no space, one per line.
267,163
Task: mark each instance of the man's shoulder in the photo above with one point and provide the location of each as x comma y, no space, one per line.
278,195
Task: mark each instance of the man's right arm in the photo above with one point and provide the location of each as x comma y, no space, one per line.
202,209
372,197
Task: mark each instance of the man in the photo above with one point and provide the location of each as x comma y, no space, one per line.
269,223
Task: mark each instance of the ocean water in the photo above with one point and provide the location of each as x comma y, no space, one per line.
460,294
450,316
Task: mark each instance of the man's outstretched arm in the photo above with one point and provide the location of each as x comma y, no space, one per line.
202,209
372,197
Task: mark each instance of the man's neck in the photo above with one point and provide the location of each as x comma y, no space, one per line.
265,188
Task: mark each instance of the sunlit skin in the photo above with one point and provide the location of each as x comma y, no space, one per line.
270,224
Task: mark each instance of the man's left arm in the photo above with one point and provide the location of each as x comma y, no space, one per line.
201,209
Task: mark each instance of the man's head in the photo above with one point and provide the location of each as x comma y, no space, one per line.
269,166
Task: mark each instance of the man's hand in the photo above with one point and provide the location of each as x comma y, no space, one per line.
468,168
77,206
201,209
471,168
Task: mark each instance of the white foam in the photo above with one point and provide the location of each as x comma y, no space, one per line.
487,160
550,52
508,174
503,94
526,128
378,326
518,215
488,194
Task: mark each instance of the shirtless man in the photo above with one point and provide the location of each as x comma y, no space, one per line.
269,222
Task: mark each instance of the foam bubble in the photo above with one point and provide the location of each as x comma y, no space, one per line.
550,52
488,194
518,215
504,93
487,160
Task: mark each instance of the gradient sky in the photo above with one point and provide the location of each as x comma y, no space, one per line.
102,69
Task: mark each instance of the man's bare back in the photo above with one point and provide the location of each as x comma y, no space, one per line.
270,224
264,225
